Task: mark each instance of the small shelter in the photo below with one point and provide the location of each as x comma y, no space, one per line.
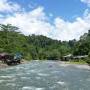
67,57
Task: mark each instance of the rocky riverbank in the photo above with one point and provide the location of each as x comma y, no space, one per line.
3,65
64,64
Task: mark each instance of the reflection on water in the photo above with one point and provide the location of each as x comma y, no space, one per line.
44,75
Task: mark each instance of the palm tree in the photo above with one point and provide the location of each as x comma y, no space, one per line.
7,30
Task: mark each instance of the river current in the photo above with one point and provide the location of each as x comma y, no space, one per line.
44,75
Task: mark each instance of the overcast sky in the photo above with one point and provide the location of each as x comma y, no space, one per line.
57,19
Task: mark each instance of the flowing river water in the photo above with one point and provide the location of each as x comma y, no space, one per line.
44,75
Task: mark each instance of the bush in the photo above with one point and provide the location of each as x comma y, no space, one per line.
88,59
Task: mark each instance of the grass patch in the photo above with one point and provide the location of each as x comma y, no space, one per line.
77,62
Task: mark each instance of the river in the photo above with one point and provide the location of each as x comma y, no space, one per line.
44,75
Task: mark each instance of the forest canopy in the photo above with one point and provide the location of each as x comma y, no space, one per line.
40,47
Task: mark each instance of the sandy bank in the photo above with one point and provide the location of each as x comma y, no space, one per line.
81,66
3,65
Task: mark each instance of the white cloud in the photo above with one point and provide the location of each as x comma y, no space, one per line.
86,2
37,22
7,6
34,22
66,30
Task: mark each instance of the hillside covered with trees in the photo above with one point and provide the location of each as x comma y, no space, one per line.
40,47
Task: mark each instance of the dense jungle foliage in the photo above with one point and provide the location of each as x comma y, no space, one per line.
40,47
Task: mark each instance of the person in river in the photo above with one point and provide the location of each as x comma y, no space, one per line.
50,66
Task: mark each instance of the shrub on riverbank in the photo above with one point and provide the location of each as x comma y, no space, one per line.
88,59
